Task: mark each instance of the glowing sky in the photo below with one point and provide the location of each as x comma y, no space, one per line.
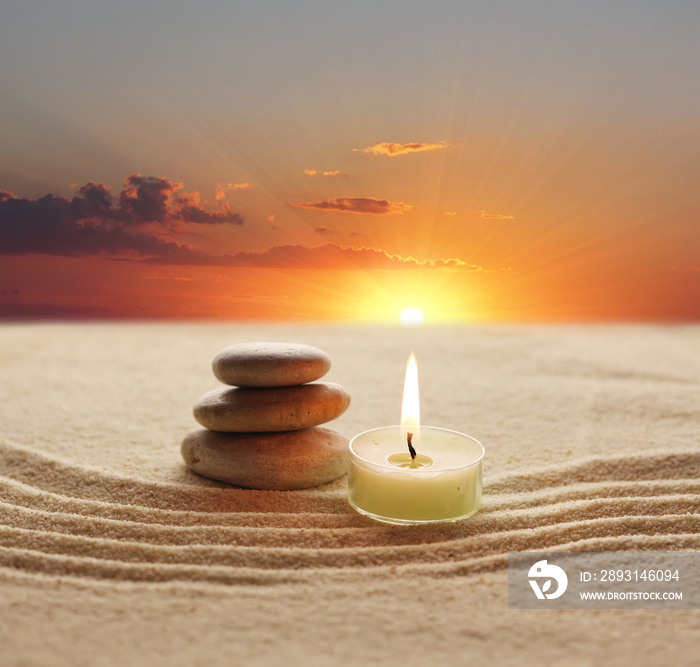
521,160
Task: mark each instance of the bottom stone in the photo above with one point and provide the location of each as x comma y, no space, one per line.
280,461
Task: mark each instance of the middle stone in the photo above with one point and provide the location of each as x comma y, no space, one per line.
249,410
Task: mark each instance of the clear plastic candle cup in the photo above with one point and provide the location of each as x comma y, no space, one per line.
442,483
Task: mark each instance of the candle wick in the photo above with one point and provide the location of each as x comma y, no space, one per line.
409,438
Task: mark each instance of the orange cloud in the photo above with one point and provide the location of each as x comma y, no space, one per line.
451,214
221,188
496,216
154,275
328,256
360,205
391,149
316,172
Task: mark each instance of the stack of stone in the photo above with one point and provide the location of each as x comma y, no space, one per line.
262,432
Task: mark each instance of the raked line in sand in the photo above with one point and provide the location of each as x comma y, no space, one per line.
62,520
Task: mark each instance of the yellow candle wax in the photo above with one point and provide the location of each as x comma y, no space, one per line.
442,483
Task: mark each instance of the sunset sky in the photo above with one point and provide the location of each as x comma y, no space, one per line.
479,161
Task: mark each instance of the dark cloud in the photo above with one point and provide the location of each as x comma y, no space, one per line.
95,222
146,198
131,226
361,205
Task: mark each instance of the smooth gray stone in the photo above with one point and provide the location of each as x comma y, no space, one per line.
246,409
276,461
270,364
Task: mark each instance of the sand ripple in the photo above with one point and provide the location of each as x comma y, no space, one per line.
63,520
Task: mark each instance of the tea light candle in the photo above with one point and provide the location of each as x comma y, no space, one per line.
413,473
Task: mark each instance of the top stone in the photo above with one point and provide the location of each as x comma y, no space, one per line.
270,364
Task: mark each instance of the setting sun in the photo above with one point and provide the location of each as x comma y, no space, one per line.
411,317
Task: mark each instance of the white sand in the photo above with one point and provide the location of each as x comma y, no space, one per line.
112,553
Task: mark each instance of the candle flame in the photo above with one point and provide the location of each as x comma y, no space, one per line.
410,409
